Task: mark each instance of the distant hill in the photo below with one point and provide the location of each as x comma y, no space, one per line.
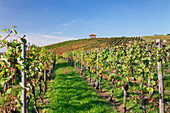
90,43
150,38
165,39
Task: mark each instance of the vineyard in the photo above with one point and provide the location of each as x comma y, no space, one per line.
88,44
134,70
131,75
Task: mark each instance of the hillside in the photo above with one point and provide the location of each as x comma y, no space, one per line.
150,38
90,43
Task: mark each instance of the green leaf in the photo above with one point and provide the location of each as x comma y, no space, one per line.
119,66
140,70
4,30
18,101
30,95
150,89
100,71
126,79
151,75
1,74
1,88
9,91
3,80
118,83
14,31
152,83
146,70
124,66
0,36
1,101
142,65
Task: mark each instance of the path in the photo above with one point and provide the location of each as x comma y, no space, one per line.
70,93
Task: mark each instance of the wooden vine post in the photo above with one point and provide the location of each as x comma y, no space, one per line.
45,80
23,78
149,79
75,63
52,70
82,63
74,54
160,80
97,81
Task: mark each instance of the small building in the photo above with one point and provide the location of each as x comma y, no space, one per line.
92,36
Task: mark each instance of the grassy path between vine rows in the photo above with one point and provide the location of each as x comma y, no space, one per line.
70,93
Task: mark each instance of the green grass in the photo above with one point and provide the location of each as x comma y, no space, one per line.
69,93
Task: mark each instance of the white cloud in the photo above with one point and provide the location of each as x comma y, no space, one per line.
51,36
39,39
44,39
56,33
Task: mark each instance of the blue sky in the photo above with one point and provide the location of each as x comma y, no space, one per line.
51,21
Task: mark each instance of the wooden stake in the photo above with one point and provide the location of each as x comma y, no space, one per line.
24,78
160,80
82,63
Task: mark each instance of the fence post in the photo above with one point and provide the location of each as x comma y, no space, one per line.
160,80
23,78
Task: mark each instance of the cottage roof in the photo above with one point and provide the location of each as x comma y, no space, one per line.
92,35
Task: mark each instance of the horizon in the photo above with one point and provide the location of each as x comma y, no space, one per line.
49,22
